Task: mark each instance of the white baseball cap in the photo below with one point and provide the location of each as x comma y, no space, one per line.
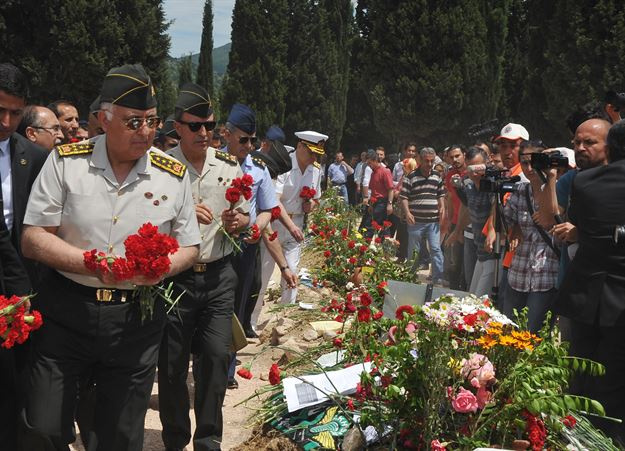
513,132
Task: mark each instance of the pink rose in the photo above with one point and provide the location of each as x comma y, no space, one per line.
483,397
437,446
475,382
410,330
478,366
391,334
464,402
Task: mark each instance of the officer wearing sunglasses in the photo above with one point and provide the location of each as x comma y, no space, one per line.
202,324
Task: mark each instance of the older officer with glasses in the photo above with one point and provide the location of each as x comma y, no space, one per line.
94,195
203,322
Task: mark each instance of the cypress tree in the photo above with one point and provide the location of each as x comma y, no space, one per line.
257,68
205,68
84,39
320,36
185,70
432,69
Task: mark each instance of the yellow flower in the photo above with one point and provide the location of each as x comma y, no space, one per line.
507,340
358,236
454,364
487,341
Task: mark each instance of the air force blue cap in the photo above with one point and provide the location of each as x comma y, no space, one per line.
275,133
243,118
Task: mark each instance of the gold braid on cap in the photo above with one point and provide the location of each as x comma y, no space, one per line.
142,84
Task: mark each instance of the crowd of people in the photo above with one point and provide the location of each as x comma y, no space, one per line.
529,225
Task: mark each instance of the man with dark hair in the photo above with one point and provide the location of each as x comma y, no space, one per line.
592,294
67,114
338,173
381,190
40,125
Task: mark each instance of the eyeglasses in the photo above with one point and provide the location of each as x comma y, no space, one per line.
55,129
195,126
251,139
135,123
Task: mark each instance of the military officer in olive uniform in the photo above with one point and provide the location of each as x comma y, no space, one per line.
204,318
94,195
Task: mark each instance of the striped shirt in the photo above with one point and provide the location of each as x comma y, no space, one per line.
423,193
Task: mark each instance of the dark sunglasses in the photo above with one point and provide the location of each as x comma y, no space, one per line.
252,139
195,126
136,123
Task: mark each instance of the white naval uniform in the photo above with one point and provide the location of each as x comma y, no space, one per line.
288,188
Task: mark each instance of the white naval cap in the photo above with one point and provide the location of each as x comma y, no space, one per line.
314,140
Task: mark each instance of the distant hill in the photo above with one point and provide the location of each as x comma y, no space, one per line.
220,64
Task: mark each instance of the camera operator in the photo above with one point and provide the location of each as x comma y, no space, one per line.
533,271
592,294
590,149
476,212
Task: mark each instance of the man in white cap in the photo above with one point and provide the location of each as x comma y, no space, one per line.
508,143
305,173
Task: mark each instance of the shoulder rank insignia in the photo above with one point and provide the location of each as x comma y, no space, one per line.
259,162
317,165
225,156
168,164
82,148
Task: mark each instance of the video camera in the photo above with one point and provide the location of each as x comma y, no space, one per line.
484,130
493,181
543,161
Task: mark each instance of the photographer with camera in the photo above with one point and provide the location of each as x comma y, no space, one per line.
476,212
592,294
533,271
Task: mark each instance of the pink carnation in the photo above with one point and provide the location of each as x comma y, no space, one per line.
464,402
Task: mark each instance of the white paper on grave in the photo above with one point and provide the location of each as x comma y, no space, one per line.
306,391
331,358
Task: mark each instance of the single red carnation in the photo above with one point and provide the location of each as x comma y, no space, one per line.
275,214
399,313
327,254
274,374
377,315
273,236
351,244
382,288
364,314
233,195
245,373
365,299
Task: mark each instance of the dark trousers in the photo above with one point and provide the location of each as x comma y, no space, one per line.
378,214
202,325
9,397
454,262
107,340
605,345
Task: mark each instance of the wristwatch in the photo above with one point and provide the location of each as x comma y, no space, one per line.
283,268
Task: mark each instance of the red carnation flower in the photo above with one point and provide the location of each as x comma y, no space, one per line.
377,315
569,421
274,374
337,342
365,299
275,213
327,254
387,224
399,313
245,373
364,314
273,236
351,244
382,288
352,261
233,195
376,226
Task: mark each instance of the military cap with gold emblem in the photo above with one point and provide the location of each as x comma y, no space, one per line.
314,141
128,86
193,99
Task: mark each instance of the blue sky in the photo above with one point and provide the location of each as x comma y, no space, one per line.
186,29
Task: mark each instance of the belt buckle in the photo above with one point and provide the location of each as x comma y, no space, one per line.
104,295
199,267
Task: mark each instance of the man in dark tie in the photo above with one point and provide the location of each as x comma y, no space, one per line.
592,294
20,159
20,162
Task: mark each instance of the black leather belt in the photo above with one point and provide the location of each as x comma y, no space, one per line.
201,267
104,295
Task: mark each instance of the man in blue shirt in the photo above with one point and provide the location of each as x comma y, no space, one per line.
338,173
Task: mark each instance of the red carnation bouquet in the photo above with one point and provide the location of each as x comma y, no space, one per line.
239,187
16,323
147,255
307,193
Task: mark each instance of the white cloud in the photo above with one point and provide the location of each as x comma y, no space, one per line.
186,29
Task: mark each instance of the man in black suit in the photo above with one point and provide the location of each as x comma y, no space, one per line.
20,162
20,159
592,294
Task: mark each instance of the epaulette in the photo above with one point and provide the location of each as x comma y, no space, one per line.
259,162
168,164
81,148
225,156
317,165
